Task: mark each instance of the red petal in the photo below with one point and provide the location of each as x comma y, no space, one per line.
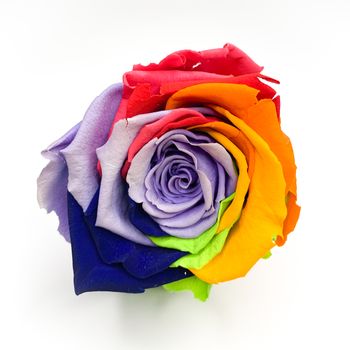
227,60
179,118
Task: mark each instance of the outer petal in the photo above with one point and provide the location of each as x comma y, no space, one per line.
91,273
262,218
228,60
236,98
139,260
199,288
291,219
83,178
146,92
52,182
148,87
262,118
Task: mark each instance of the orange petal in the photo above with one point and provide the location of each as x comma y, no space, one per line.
234,210
291,219
262,117
237,137
236,98
262,217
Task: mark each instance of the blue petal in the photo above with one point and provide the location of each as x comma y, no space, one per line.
92,273
143,221
111,247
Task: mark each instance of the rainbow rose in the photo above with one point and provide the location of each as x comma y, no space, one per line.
180,176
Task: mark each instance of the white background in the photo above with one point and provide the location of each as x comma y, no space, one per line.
56,56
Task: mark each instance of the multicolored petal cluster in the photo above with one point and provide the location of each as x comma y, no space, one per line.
180,176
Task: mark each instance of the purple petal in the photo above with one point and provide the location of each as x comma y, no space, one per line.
73,160
188,232
80,155
52,182
164,192
153,196
112,207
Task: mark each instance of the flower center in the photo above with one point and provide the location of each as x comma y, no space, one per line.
187,176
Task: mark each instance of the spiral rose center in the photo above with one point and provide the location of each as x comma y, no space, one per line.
173,178
184,182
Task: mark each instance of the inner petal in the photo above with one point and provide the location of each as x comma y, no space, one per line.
161,195
187,176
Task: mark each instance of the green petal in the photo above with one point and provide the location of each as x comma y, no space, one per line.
194,245
199,288
267,255
197,261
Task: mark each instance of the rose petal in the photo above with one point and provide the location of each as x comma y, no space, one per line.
53,180
91,273
148,87
112,211
265,211
139,260
83,178
141,220
150,90
227,60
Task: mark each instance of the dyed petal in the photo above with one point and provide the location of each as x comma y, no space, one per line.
291,219
263,118
139,260
80,155
112,211
236,98
202,258
91,273
148,87
141,220
265,211
149,91
199,288
225,134
53,180
227,60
